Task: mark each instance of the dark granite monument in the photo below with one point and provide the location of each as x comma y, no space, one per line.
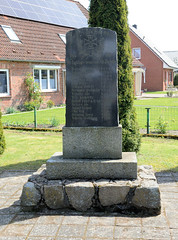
92,172
91,80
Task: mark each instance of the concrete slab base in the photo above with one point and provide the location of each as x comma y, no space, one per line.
59,168
124,196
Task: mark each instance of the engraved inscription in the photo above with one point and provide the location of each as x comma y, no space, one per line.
91,90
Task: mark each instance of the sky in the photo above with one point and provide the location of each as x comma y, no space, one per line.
156,20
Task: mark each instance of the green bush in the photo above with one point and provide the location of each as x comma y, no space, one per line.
161,126
113,15
176,80
50,104
54,122
11,110
29,106
2,138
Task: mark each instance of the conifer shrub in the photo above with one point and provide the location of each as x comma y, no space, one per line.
176,80
2,138
113,15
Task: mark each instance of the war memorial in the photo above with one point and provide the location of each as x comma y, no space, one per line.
92,173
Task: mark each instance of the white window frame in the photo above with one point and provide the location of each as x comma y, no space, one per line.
64,82
12,36
62,37
7,74
133,50
48,68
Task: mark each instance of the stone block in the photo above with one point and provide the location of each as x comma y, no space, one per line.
54,195
147,195
30,195
80,194
111,193
59,168
92,142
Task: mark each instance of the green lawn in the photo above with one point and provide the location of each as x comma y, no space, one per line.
43,117
29,150
157,92
172,102
166,108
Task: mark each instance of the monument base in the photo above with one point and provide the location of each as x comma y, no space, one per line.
123,196
92,142
59,168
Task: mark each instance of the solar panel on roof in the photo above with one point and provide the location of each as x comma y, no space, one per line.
58,12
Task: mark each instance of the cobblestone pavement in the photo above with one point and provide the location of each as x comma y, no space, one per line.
17,225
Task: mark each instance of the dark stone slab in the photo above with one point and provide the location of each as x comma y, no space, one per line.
91,80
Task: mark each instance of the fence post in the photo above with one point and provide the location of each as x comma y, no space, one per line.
35,119
148,120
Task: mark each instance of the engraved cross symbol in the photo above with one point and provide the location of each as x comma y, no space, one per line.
90,42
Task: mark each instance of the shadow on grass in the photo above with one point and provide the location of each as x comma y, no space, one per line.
22,167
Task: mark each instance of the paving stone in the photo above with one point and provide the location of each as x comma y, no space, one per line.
15,230
81,220
99,231
50,220
128,221
44,230
155,221
25,219
80,195
75,231
105,221
155,233
174,234
5,219
127,232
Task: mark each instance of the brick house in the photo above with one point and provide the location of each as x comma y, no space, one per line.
159,68
35,45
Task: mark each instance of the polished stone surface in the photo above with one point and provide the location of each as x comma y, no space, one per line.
91,78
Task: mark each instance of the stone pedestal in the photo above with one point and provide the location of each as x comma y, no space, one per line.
58,167
92,142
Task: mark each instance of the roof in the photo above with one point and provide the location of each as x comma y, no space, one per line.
40,42
173,55
60,12
161,55
136,62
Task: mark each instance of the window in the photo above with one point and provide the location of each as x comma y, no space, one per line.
136,52
46,78
64,82
4,82
11,34
63,37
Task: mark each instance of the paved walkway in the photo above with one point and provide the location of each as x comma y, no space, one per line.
17,225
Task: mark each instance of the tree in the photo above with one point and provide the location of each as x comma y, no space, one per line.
2,138
112,14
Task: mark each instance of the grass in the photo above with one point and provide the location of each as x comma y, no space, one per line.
157,92
29,150
168,102
43,117
161,153
166,108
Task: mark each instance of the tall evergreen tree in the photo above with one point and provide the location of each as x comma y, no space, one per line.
112,14
2,138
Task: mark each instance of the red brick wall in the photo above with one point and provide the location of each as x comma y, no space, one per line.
154,66
18,93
